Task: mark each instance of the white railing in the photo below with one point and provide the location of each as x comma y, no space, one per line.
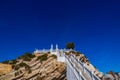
76,74
86,70
78,68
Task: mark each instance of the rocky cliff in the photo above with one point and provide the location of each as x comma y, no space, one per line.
42,66
36,67
5,68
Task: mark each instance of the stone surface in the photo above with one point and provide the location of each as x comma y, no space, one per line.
5,68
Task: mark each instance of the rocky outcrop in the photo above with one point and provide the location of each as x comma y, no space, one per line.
5,68
111,76
40,67
45,66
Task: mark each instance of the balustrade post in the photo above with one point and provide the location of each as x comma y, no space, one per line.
84,68
78,59
74,67
80,77
93,75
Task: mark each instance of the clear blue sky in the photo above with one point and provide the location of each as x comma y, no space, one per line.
93,25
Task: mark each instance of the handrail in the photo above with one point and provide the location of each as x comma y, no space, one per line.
91,74
77,74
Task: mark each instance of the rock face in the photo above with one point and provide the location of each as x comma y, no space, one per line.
5,68
45,66
39,67
111,76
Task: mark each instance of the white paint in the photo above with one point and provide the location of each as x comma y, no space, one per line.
58,52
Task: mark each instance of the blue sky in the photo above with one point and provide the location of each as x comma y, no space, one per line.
94,27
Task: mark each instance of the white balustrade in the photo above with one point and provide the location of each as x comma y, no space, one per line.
79,69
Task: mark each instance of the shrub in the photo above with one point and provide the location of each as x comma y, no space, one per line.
38,78
16,73
13,66
21,72
70,45
27,67
42,57
13,62
66,53
6,62
29,71
77,53
27,56
22,64
54,56
16,67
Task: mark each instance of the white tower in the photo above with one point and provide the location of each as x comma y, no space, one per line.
56,47
36,50
51,49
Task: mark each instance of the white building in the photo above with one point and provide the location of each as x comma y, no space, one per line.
58,52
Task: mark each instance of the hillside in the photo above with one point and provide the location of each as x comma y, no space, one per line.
39,67
43,65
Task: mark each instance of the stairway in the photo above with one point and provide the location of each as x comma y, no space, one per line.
77,71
